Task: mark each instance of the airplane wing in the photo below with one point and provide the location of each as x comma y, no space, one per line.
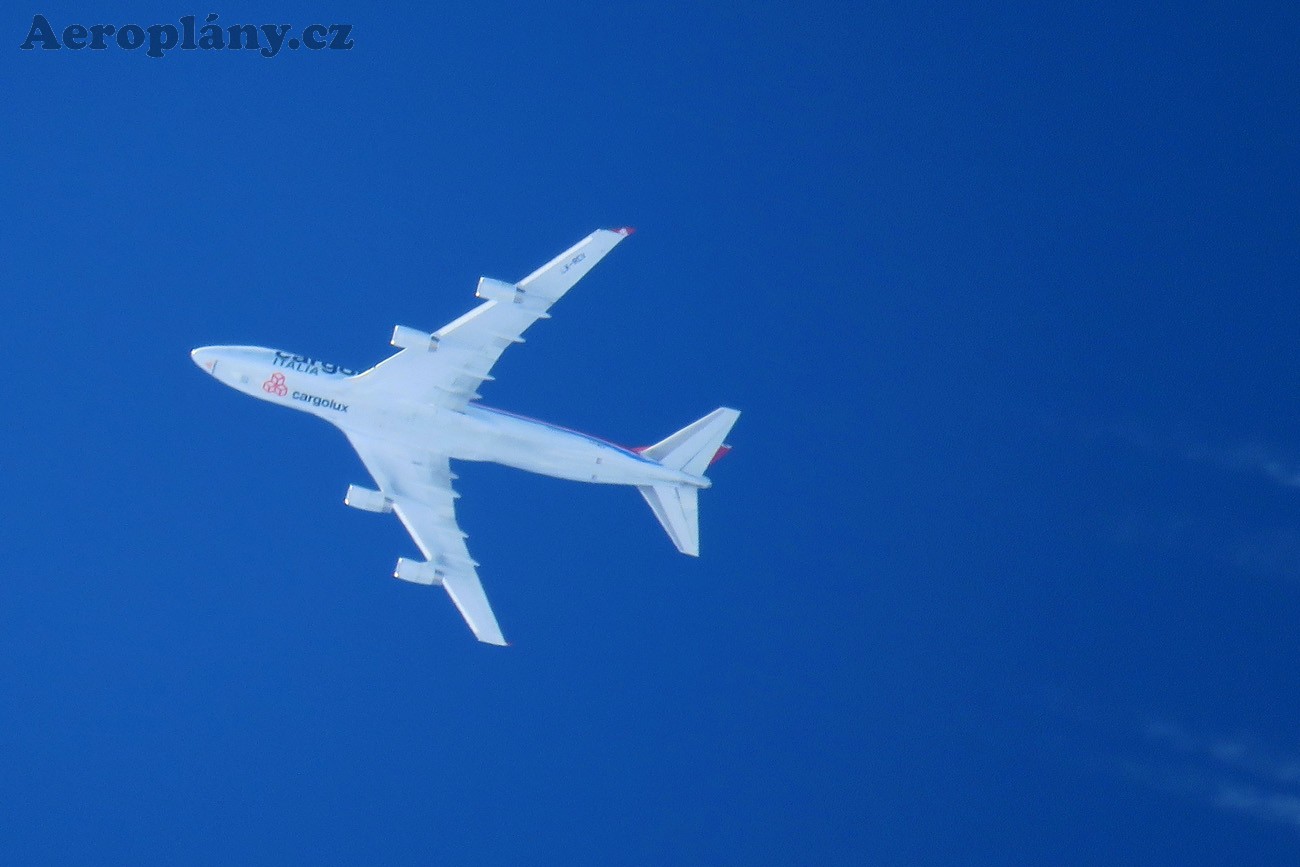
419,486
447,369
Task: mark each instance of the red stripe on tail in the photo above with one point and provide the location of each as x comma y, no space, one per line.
717,456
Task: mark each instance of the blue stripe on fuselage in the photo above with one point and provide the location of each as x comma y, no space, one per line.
597,440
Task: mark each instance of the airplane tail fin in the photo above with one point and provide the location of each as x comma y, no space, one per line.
691,450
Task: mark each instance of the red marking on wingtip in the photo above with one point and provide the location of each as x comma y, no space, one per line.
625,231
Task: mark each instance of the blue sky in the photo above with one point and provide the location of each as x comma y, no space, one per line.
1004,568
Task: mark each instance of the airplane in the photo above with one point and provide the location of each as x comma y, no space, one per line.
417,410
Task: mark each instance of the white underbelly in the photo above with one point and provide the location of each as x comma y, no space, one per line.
495,436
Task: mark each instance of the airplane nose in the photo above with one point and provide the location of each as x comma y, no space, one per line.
205,358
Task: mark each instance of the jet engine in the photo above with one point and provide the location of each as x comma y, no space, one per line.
413,338
416,572
498,290
367,500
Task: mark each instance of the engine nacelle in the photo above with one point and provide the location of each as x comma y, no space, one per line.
413,338
498,290
416,572
367,500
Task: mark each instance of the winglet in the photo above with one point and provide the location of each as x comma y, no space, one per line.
624,230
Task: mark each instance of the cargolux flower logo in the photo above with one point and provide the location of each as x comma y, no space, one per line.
275,385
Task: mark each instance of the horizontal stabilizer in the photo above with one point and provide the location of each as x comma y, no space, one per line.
695,446
677,508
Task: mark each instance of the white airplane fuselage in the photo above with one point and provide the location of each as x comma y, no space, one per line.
479,433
